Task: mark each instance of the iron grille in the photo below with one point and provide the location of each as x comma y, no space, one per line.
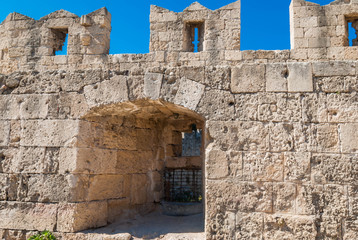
183,184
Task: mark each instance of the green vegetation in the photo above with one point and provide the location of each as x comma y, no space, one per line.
45,235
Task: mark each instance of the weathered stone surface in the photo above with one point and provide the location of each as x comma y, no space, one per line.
4,133
334,68
348,136
217,164
261,166
189,93
299,77
276,77
248,78
239,135
152,84
103,92
297,166
51,133
31,216
105,187
73,217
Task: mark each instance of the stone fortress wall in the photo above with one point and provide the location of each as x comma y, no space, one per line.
85,137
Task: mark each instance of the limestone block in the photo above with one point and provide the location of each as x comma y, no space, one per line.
105,187
279,226
284,198
281,137
351,228
217,164
139,189
309,199
331,168
35,160
299,77
278,107
10,107
87,160
128,162
250,225
235,164
334,68
246,106
217,105
73,217
276,77
4,133
51,133
35,106
217,77
152,84
349,136
314,108
336,84
109,91
297,166
29,216
248,78
237,135
69,105
261,166
243,196
189,93
47,188
327,138
353,200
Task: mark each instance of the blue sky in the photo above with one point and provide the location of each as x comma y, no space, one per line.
265,23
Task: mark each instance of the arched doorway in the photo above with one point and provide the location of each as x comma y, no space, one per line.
139,156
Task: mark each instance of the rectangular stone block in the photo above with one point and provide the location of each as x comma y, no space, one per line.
217,164
105,187
10,106
248,78
152,84
73,217
4,133
284,198
189,93
239,136
241,196
276,77
28,216
251,226
334,68
88,160
297,167
109,91
262,166
51,133
300,77
349,136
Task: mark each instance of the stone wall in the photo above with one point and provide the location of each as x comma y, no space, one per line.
85,137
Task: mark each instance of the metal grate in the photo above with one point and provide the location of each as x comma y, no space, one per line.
182,185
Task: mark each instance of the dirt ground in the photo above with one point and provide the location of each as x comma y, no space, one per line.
158,226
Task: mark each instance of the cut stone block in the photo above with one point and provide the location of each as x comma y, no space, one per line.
300,77
73,217
248,78
189,93
276,77
152,85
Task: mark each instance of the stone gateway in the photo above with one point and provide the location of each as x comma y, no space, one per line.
266,141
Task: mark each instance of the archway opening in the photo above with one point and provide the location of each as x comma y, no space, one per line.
145,157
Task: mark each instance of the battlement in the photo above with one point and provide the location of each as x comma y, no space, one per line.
24,37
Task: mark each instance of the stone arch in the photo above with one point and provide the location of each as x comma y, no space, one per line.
123,153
